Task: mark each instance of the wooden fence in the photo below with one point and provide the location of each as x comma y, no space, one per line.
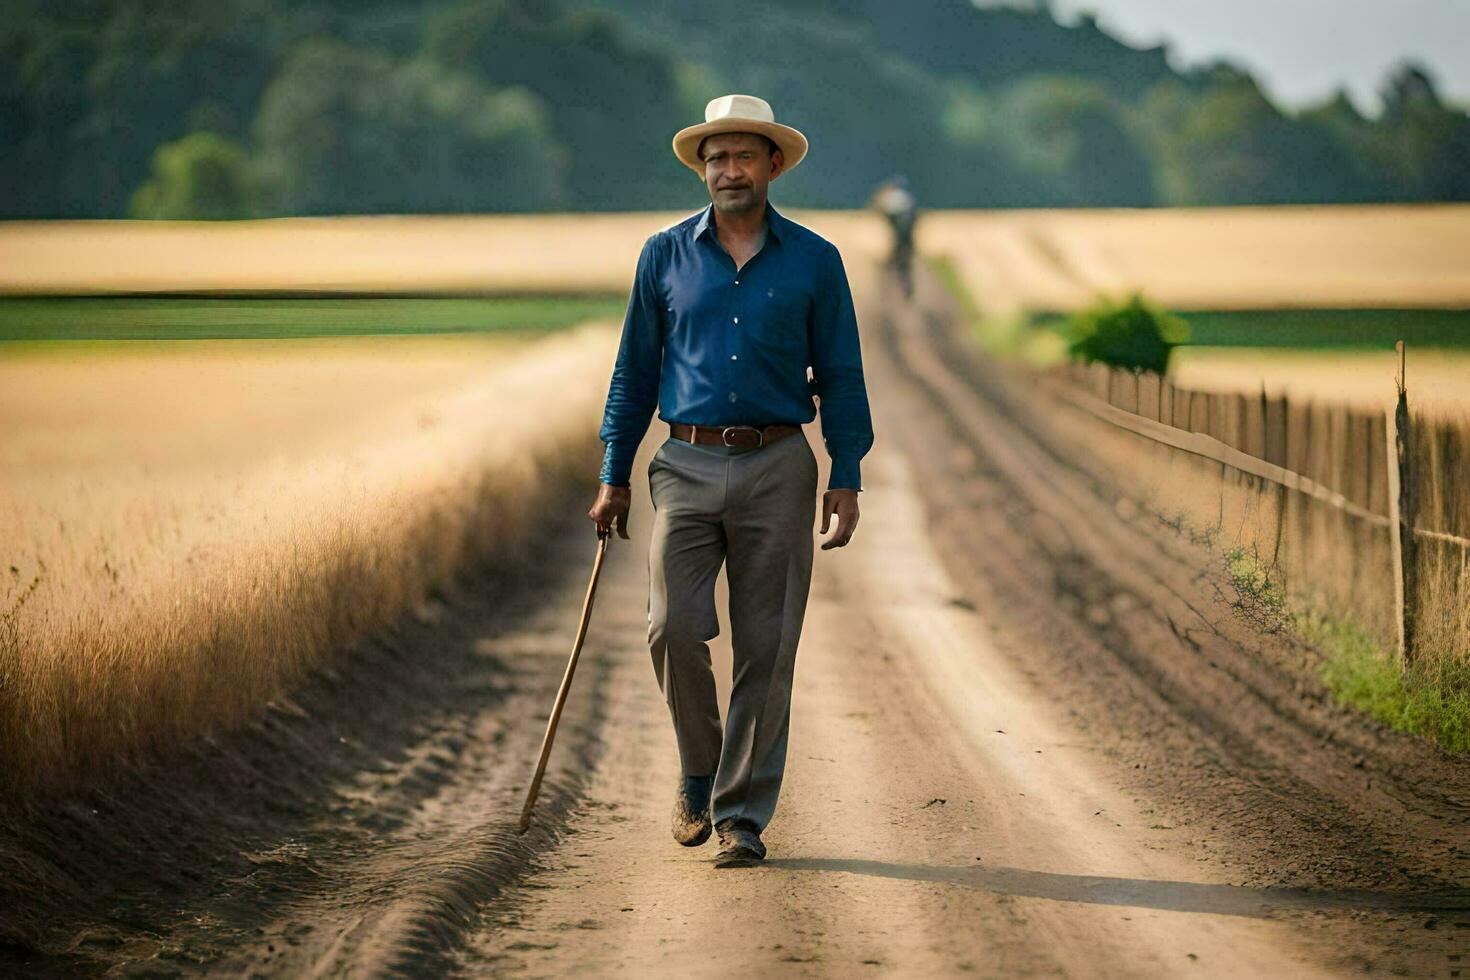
1363,513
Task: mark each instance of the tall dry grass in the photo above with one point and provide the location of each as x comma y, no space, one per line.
187,534
1441,452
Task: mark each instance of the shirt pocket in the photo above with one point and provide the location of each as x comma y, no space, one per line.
781,324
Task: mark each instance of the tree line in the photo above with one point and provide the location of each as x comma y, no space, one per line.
246,108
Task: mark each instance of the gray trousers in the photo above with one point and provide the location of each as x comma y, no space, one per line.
755,509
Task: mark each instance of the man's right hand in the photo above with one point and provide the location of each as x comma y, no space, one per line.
612,504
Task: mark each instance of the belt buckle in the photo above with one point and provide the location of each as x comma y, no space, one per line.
725,434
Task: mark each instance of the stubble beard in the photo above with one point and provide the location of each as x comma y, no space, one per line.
739,202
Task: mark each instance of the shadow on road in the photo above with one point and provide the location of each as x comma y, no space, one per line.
1171,896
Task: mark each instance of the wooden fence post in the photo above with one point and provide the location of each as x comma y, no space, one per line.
1275,447
1395,526
1408,576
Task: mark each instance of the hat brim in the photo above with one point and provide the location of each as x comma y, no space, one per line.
791,141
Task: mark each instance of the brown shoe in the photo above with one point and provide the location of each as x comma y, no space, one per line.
740,844
691,810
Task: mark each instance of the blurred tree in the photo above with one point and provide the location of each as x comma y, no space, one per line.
1231,145
41,171
1362,181
343,130
612,103
104,82
953,95
1422,142
983,163
989,46
203,175
997,45
1070,131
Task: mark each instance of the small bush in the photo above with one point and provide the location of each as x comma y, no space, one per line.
1260,594
1132,333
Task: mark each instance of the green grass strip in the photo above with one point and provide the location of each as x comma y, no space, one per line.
1329,329
221,318
1358,672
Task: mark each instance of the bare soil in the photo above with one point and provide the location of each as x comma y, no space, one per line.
1030,737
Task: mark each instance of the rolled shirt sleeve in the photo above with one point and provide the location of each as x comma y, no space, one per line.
632,394
837,376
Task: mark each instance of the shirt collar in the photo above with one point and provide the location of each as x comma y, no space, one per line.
775,221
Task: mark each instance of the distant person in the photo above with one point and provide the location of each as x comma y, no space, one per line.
895,201
728,310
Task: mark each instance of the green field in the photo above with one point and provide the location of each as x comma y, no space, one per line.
1374,329
236,318
1314,329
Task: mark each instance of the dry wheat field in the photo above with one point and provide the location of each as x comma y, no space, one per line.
542,254
1211,258
190,526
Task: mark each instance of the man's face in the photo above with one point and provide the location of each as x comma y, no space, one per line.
737,169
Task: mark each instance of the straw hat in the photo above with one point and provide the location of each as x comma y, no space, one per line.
738,114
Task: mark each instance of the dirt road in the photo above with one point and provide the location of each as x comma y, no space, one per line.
949,808
1029,738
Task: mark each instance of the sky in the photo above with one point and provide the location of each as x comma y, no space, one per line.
1299,50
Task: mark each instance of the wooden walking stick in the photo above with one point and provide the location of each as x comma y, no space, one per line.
603,535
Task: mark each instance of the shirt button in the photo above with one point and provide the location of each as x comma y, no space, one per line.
734,357
737,282
737,319
732,396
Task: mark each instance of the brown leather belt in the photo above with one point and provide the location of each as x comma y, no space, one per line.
731,435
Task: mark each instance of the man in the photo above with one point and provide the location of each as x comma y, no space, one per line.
895,201
728,310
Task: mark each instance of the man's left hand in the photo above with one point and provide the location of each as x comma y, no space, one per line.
843,503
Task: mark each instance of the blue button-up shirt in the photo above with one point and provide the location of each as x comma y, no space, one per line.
711,345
